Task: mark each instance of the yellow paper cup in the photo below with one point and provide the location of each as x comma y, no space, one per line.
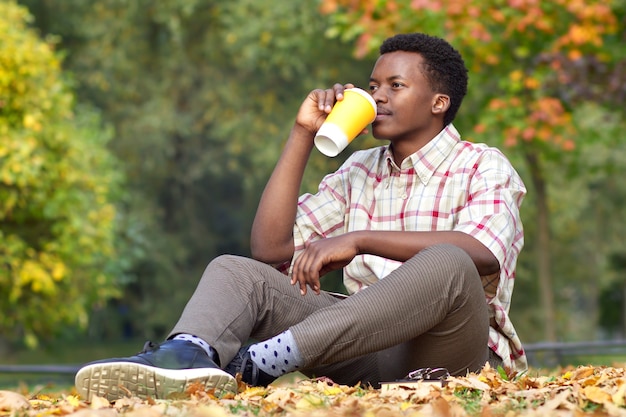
346,120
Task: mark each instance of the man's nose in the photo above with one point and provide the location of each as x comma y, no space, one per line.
379,94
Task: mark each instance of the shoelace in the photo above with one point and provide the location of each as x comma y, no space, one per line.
243,364
247,365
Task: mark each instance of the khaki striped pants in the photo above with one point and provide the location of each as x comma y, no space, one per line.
430,312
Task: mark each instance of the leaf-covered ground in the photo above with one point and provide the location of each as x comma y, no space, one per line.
587,390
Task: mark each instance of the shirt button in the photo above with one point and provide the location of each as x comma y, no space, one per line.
404,196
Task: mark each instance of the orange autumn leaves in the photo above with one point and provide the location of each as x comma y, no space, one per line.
519,53
586,390
544,119
568,23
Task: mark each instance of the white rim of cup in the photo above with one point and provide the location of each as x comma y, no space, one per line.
365,94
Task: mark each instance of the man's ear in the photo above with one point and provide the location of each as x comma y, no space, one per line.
441,104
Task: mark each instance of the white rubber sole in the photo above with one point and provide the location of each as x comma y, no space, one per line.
114,380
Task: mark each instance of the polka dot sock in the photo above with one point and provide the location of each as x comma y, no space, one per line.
277,356
196,341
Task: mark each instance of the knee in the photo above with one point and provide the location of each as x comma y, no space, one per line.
224,261
457,276
225,266
238,268
447,266
450,258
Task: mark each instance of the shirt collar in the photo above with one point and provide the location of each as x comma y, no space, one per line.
427,159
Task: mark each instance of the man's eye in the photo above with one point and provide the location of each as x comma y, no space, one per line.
373,88
396,85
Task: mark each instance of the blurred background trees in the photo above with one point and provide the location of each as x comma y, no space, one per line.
195,98
58,188
201,97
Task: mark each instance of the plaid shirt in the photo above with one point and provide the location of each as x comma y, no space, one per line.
449,184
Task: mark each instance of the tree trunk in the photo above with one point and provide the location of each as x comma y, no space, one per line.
542,248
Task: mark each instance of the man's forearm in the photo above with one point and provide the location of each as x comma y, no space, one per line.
271,239
401,246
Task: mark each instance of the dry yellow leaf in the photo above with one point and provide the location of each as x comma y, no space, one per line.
253,392
96,402
208,411
596,395
280,398
74,401
619,397
145,411
559,401
12,401
583,372
87,412
333,390
309,402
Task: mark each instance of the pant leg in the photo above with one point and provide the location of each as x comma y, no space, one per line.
431,311
238,298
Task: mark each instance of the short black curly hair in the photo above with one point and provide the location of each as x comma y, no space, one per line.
445,68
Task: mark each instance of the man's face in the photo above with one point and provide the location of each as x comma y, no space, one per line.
403,97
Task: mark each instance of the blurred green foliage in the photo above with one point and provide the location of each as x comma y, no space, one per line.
196,97
202,96
58,188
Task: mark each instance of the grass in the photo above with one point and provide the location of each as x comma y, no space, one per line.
66,353
471,400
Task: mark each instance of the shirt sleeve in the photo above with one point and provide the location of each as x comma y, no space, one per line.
491,214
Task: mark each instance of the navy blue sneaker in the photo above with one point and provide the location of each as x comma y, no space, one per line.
157,372
250,373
